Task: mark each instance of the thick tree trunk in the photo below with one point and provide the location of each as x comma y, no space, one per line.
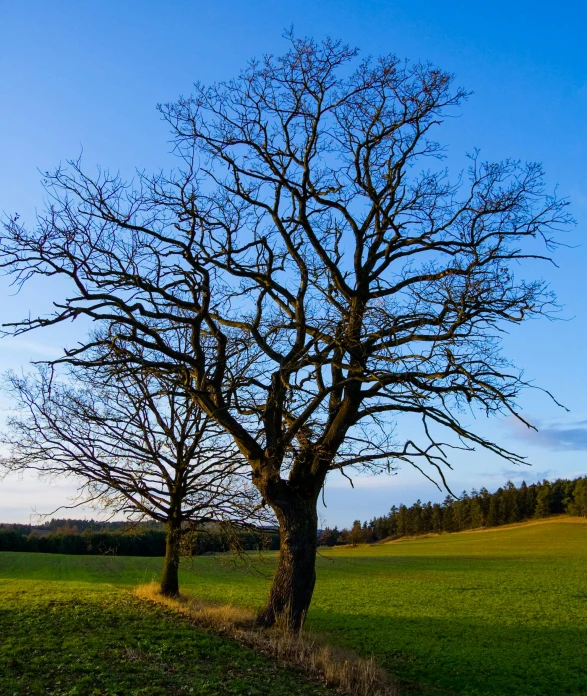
170,579
295,577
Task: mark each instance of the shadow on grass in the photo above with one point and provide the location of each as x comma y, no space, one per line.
472,657
470,624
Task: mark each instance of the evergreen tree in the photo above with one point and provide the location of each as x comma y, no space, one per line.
484,500
393,526
493,519
328,537
471,511
367,536
525,504
448,515
426,519
578,505
543,500
416,516
476,513
462,512
402,521
355,536
437,525
560,492
511,510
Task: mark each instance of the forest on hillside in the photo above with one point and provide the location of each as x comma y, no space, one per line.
473,510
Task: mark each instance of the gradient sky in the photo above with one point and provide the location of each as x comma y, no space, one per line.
89,75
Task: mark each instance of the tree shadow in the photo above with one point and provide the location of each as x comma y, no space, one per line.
460,656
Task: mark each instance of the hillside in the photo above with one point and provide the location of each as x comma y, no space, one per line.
500,612
507,505
564,519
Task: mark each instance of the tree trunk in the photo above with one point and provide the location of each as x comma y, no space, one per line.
170,579
295,577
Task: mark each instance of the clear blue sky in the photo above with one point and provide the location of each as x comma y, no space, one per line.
78,74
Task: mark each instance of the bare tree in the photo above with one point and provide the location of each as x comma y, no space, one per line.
328,283
137,444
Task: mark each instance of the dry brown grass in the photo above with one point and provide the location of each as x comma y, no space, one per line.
339,669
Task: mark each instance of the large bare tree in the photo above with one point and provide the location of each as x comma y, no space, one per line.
136,444
331,275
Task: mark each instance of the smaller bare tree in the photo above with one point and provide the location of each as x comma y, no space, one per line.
138,445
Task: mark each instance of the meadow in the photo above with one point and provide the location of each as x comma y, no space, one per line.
498,612
60,638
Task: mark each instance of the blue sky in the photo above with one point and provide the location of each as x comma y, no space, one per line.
89,75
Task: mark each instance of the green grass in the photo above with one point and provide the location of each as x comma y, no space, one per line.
497,613
64,637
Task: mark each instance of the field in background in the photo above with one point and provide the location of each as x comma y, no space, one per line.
500,612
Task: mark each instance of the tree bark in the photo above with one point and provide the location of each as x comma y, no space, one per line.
295,577
170,579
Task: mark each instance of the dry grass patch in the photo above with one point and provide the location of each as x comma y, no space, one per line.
340,669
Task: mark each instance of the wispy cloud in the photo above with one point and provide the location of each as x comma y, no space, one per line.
524,474
23,347
554,436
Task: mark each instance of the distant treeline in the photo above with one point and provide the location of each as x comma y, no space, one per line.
86,543
67,526
471,511
138,541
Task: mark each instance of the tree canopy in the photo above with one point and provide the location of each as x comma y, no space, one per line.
329,272
136,444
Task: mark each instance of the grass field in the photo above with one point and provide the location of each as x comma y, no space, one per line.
501,612
61,638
